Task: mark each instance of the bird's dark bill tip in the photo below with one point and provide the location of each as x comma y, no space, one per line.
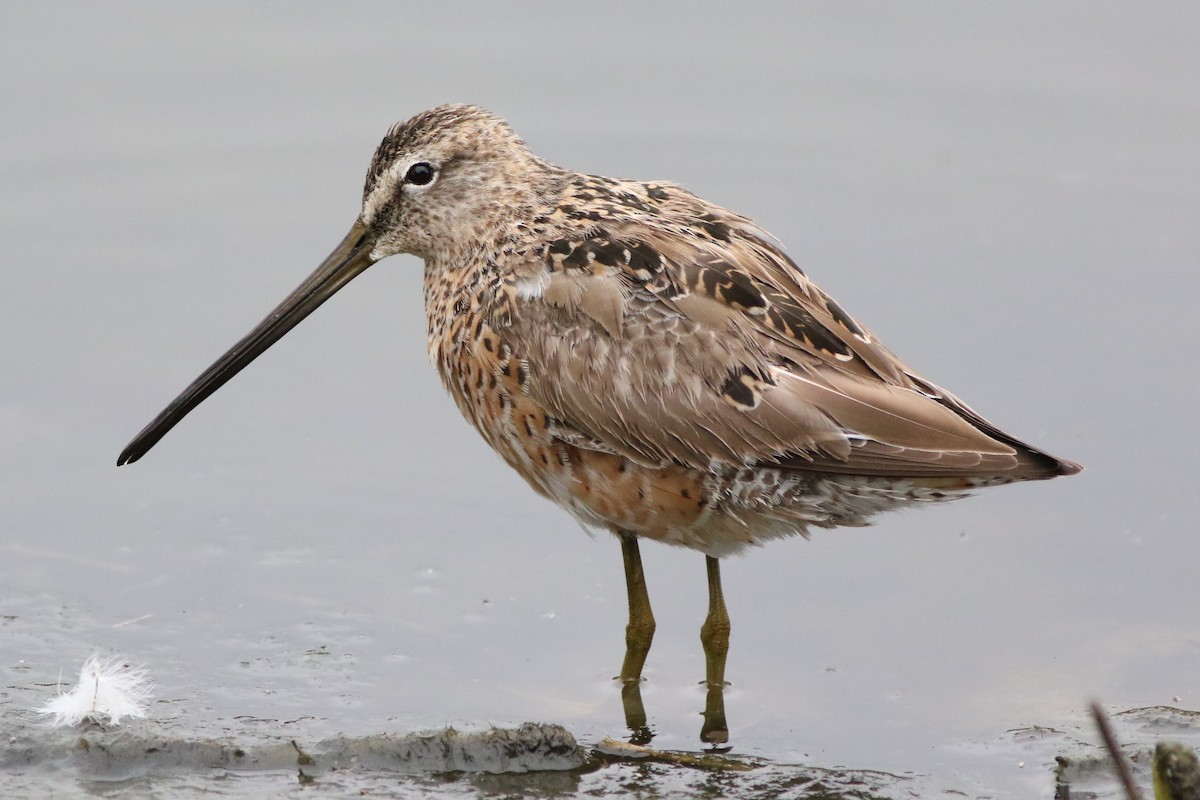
348,259
142,443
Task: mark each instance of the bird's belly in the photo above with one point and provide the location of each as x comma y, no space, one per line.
600,489
718,510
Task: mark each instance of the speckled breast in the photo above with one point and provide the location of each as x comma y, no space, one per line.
487,379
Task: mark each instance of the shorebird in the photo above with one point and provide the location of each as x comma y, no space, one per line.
653,363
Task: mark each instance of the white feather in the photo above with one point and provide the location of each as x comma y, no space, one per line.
533,287
108,690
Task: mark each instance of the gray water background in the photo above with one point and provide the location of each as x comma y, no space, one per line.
1007,194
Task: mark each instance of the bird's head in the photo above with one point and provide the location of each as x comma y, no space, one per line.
446,180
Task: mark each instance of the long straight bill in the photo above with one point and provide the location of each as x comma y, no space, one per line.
347,261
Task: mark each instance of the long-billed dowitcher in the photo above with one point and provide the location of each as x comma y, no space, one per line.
651,362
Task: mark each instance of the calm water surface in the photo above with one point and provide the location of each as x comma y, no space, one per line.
1007,195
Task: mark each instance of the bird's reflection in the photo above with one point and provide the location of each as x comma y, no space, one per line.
635,713
714,732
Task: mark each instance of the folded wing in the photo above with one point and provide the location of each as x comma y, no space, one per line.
702,343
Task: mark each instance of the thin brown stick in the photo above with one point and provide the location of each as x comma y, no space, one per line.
1114,752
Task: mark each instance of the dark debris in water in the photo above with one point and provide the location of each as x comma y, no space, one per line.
616,749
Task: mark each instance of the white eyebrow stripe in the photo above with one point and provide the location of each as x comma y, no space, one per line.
384,189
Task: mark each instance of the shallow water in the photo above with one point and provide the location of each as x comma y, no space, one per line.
1006,195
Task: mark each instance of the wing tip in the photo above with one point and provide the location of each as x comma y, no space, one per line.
1068,467
1036,465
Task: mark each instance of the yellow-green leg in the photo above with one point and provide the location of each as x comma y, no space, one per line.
640,630
714,636
714,633
638,635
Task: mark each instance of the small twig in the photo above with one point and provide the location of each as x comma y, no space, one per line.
1114,752
615,748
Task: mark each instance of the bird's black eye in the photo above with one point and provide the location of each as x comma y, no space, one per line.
419,174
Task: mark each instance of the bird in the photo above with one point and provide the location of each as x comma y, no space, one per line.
653,363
